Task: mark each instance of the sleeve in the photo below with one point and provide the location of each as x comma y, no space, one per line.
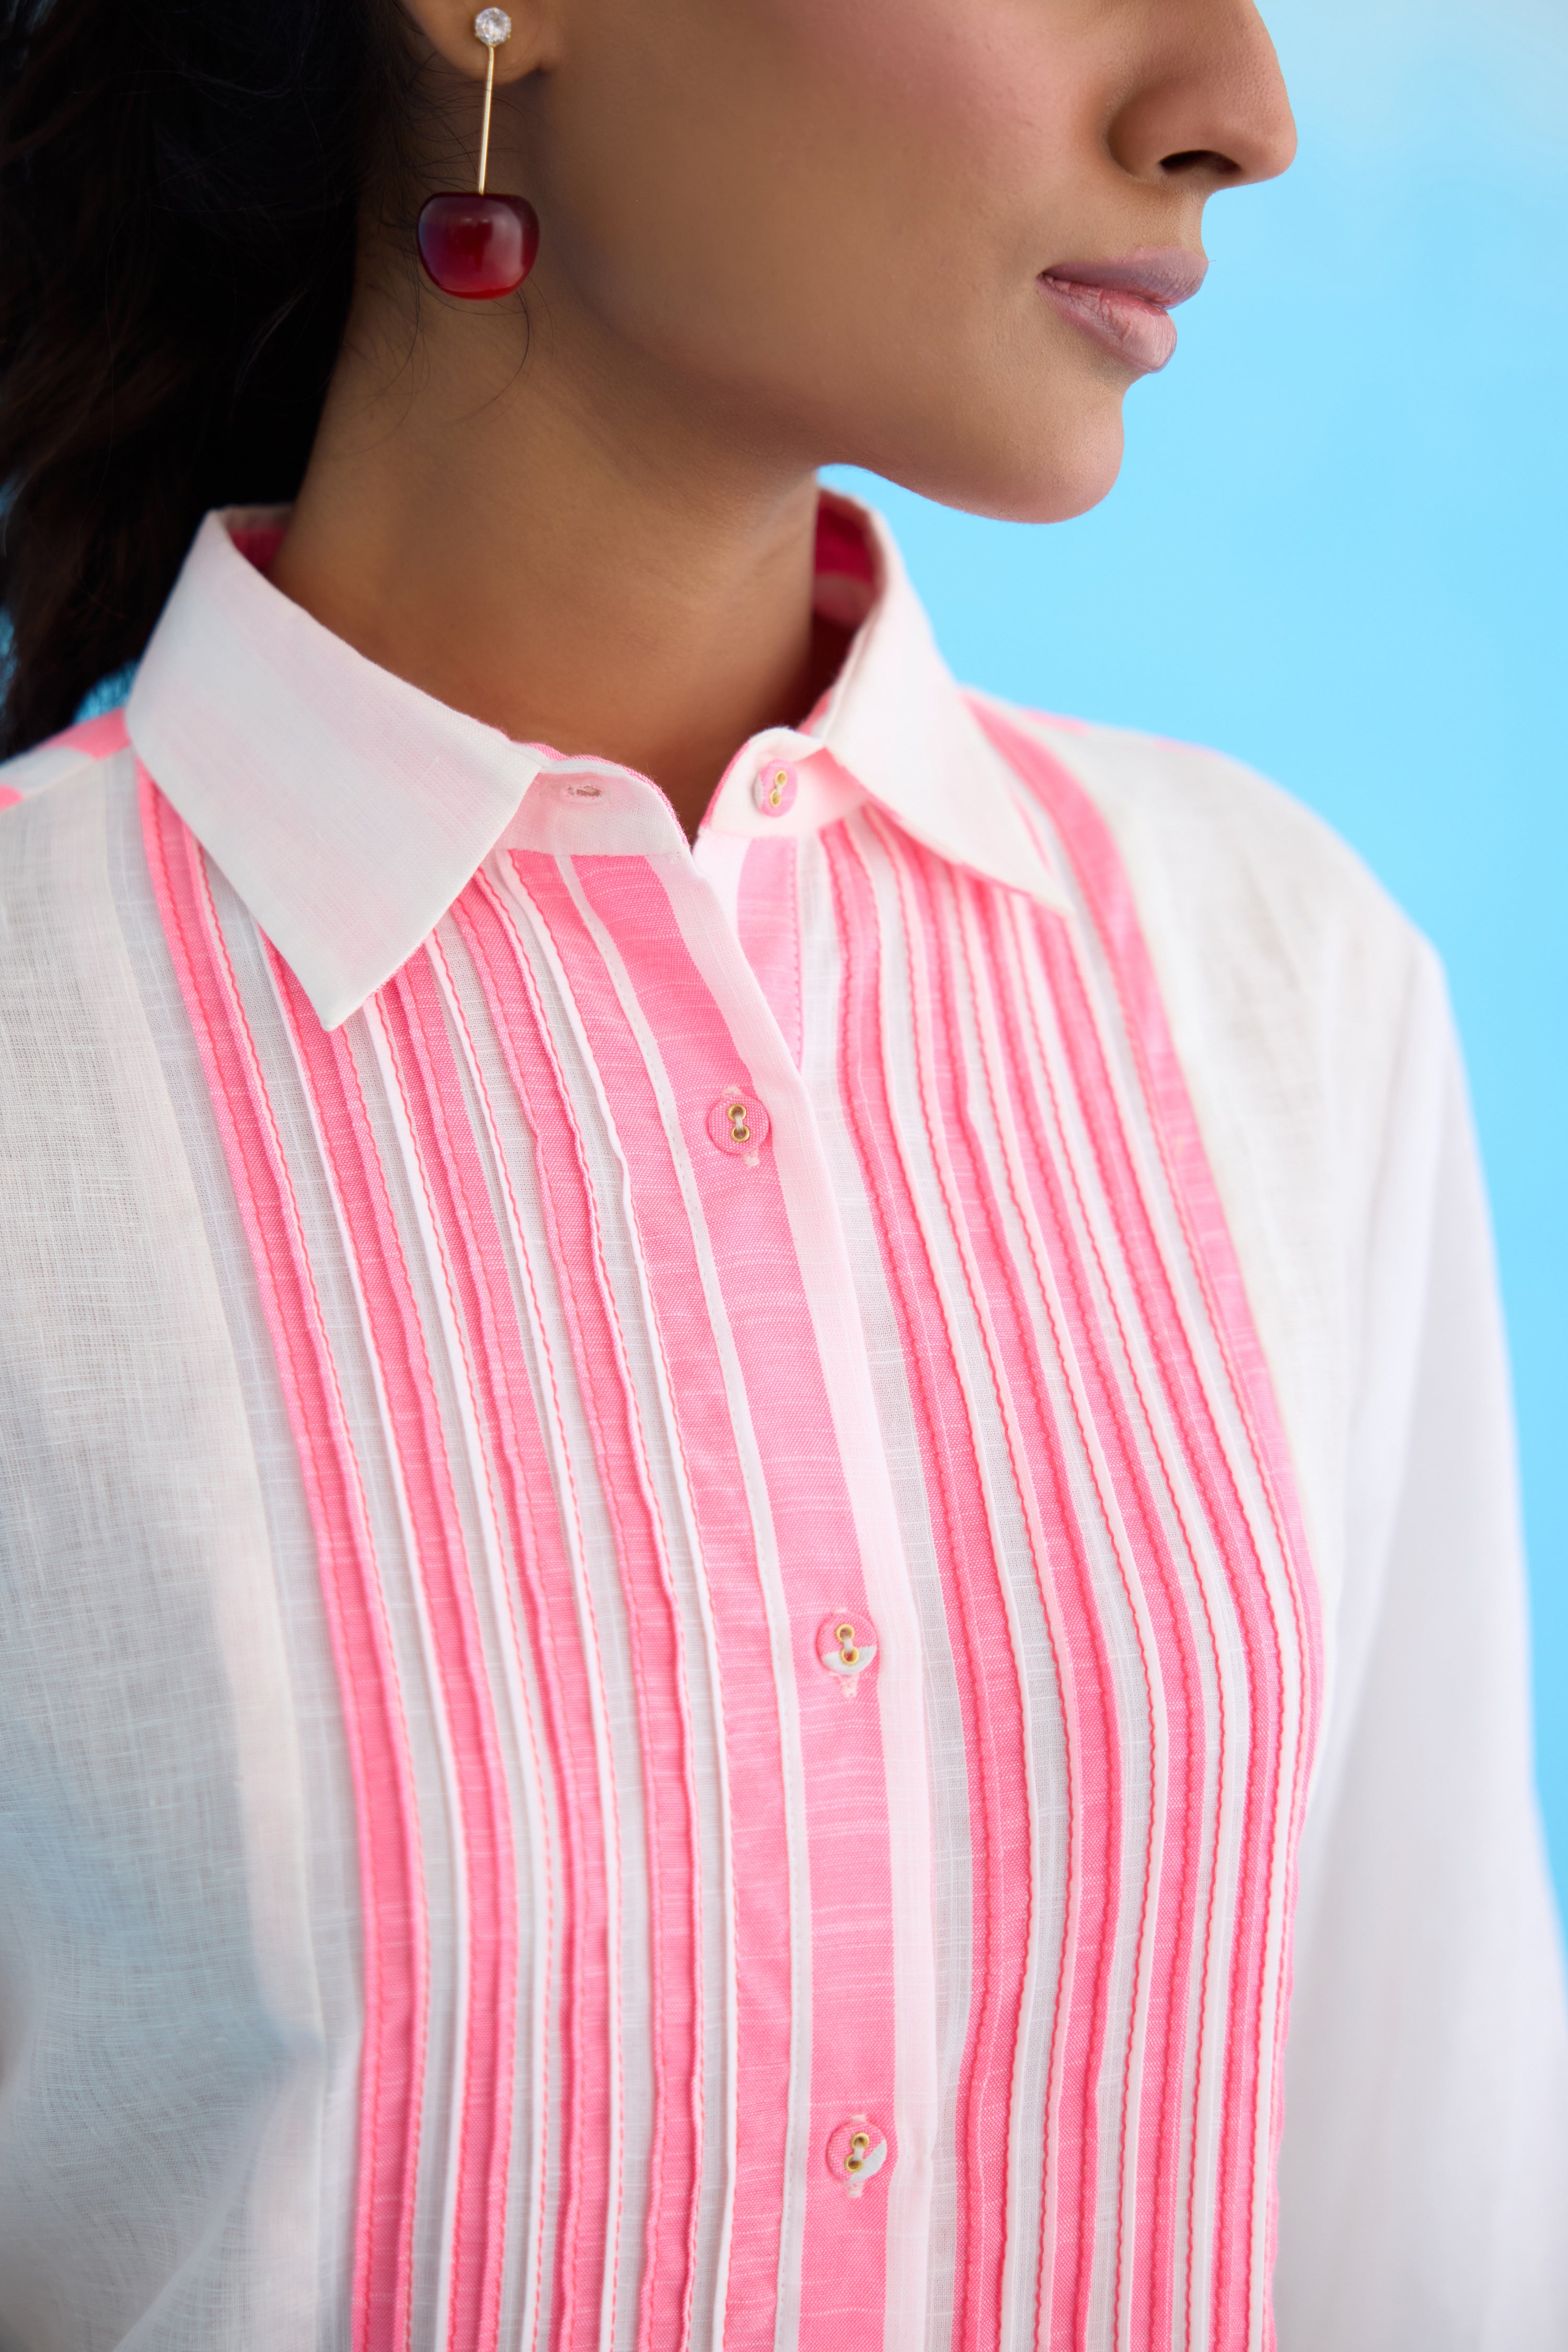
1423,2174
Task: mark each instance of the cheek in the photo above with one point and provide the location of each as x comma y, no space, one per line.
792,142
969,110
836,214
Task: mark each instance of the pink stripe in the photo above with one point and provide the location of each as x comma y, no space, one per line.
988,1676
843,2281
1267,1869
488,2023
669,1798
391,1895
8,798
753,1730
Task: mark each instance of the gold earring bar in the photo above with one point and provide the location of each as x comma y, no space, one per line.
485,127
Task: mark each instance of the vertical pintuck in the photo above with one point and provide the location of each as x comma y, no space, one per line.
1101,1458
577,1240
395,1929
548,1614
826,1652
487,1950
1141,1515
888,1020
1149,1166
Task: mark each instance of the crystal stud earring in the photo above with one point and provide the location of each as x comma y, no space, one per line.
478,246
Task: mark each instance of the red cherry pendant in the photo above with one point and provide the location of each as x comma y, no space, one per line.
478,247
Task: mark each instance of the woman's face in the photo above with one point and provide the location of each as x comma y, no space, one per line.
852,229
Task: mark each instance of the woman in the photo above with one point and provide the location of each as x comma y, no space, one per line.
756,1445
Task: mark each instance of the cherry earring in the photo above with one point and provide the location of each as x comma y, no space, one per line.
480,246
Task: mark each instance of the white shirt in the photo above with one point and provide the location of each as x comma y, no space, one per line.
716,1560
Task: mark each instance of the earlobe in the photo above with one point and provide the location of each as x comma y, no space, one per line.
449,27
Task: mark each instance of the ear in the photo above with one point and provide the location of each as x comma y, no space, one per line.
449,27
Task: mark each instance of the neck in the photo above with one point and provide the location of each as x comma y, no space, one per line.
600,574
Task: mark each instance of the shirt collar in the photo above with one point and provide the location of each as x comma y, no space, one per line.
349,809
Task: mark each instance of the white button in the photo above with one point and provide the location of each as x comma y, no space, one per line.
776,788
845,1646
857,2153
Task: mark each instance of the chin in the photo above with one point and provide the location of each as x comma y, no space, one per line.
1040,470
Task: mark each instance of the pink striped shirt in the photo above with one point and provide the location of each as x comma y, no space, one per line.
749,1634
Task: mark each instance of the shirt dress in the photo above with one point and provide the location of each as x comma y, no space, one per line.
763,1596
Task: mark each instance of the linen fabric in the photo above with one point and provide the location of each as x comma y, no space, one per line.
718,1559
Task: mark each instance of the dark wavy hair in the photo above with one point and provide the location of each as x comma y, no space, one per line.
178,191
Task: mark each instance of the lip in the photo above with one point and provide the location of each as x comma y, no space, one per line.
1124,306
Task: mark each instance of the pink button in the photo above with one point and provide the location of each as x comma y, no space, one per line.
776,788
737,1123
857,2153
845,1646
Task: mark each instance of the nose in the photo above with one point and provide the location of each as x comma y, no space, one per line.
1209,105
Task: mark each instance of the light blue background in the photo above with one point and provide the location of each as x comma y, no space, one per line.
1338,550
